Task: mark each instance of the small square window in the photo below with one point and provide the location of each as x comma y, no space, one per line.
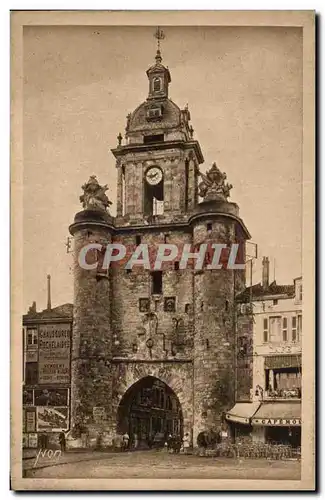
144,305
275,302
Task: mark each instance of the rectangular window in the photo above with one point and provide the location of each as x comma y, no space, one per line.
275,302
274,328
209,226
299,329
176,265
31,338
138,239
151,139
156,282
265,330
294,328
284,329
300,293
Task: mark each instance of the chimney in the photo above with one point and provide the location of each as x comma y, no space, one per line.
49,292
32,308
265,272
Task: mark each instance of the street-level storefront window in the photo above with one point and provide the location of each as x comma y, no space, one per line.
283,435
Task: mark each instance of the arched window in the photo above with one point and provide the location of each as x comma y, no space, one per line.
157,84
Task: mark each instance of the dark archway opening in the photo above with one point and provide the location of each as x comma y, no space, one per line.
149,412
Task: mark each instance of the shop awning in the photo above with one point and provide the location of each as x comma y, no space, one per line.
278,414
242,412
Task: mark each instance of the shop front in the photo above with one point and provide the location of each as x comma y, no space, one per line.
278,423
239,420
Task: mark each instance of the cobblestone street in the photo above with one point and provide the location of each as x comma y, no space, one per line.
158,464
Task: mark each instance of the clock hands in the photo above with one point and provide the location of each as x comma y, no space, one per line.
153,175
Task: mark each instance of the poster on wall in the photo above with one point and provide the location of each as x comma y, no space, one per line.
30,421
25,440
32,441
54,354
51,397
52,419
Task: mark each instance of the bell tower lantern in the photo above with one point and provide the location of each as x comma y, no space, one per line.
158,161
159,79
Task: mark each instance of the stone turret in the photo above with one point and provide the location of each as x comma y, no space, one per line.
91,383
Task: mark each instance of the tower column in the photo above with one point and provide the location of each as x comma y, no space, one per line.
119,201
91,383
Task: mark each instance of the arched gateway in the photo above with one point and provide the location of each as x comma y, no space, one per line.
150,411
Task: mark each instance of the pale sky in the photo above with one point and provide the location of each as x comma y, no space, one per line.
243,86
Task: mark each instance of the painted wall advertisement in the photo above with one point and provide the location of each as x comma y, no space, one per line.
52,419
54,354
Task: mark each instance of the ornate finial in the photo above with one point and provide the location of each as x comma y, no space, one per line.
160,35
119,138
94,196
191,129
213,185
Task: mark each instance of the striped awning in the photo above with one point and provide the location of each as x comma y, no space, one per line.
242,412
282,361
278,414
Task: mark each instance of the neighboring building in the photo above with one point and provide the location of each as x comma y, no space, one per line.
155,351
277,366
46,370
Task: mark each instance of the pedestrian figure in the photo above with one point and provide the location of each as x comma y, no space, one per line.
62,441
126,439
186,443
136,441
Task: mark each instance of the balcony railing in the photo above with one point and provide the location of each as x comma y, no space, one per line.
294,393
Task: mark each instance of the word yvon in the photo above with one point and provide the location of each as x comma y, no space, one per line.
208,256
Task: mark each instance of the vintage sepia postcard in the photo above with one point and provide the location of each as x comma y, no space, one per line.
163,288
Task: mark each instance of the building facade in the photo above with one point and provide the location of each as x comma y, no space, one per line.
155,350
275,409
46,369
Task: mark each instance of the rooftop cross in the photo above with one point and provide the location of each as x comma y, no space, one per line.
160,35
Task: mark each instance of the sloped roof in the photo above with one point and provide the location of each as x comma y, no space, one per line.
258,292
62,311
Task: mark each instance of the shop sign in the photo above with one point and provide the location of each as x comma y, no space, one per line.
52,419
30,421
277,421
32,441
54,354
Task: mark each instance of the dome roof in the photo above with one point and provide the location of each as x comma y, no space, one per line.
171,116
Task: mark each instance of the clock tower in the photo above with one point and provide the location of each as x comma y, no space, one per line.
154,351
158,164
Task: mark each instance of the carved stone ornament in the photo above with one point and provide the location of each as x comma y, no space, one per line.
94,196
213,185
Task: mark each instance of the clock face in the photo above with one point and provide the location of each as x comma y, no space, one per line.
154,176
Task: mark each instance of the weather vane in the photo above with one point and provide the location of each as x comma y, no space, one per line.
160,35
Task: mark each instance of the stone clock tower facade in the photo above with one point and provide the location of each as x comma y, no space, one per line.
155,351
